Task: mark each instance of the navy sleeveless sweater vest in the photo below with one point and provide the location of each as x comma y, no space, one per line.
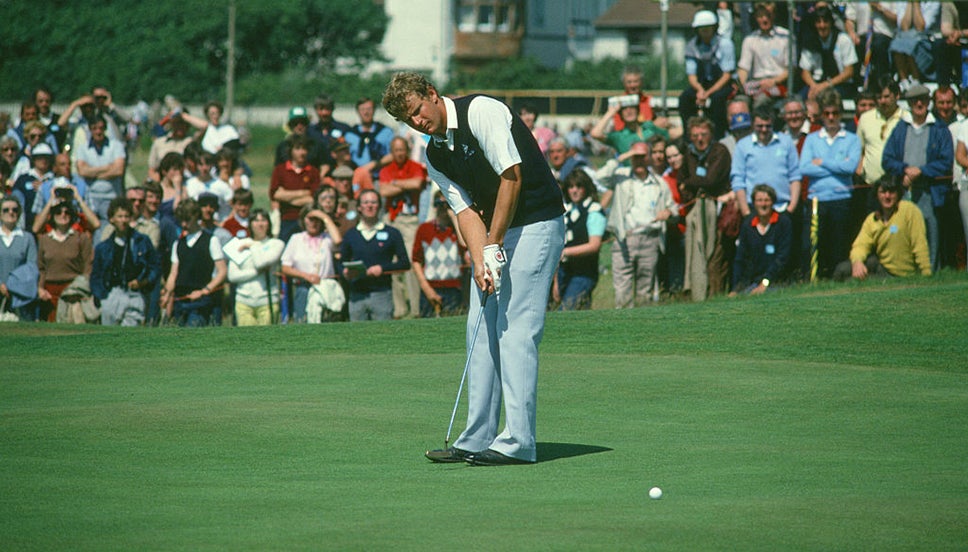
195,265
540,198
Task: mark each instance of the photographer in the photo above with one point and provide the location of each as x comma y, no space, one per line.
60,193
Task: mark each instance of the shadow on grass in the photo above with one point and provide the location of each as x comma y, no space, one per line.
556,451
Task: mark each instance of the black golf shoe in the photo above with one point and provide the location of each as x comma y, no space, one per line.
493,458
447,456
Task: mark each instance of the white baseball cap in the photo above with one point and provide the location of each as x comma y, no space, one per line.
704,18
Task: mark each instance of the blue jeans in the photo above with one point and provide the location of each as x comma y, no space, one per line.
576,290
922,198
287,228
300,296
375,305
450,298
504,364
193,314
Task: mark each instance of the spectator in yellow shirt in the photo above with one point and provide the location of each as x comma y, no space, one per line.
893,240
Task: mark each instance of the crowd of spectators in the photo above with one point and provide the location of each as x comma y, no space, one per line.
757,187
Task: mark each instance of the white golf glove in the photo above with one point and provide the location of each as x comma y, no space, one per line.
494,261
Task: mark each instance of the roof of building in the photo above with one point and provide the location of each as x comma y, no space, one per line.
625,14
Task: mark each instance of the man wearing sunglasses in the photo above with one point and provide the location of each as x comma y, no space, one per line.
873,130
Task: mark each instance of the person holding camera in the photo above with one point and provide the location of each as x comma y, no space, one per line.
63,254
632,131
64,187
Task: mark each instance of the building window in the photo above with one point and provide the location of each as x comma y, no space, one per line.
538,14
486,16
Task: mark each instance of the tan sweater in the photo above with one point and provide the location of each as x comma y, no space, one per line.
61,262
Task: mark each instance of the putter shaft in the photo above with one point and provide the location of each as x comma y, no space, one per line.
463,377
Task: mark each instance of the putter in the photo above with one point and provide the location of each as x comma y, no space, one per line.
463,377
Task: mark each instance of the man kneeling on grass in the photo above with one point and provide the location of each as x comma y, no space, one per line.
893,240
126,267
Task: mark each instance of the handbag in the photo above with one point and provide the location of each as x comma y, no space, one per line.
729,219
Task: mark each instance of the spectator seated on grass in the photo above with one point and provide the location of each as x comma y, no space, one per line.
126,267
197,271
892,241
764,247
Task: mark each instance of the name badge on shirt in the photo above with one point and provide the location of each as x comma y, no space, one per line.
700,171
770,249
382,235
893,229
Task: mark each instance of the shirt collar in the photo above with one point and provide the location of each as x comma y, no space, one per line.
376,227
451,110
770,33
840,134
774,218
53,232
104,144
773,138
907,118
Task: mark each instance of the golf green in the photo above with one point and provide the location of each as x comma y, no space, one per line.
818,418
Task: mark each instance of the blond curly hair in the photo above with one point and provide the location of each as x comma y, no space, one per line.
400,87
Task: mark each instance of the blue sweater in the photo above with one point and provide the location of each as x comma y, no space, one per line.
22,250
776,164
386,249
937,170
832,179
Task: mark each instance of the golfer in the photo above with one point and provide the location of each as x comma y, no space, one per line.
509,212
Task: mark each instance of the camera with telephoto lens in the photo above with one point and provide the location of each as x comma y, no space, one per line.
65,194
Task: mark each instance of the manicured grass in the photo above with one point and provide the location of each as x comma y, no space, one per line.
818,418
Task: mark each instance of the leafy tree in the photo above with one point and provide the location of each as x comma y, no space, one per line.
149,49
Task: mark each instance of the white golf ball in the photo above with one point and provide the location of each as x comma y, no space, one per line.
655,493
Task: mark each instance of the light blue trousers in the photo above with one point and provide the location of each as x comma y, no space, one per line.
504,363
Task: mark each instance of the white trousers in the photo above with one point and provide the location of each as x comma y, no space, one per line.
504,363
